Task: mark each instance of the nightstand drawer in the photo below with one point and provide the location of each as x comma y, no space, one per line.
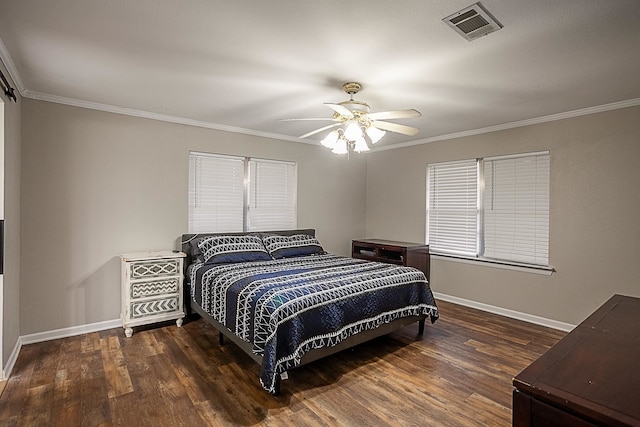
154,268
154,307
154,288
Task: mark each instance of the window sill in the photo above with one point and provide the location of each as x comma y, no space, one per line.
545,271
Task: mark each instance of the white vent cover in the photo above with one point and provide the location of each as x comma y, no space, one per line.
473,22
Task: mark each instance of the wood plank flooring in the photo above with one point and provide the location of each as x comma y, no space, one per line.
457,374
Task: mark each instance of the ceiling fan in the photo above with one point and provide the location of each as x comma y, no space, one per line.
355,123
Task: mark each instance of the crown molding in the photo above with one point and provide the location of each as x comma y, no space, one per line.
13,73
209,125
155,116
528,122
5,57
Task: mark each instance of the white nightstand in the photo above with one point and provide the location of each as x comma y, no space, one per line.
151,288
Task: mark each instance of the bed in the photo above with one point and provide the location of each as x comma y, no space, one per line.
286,302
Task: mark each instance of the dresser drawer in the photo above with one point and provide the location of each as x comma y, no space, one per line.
155,287
154,307
154,268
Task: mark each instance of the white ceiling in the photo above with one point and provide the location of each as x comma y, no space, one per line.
242,65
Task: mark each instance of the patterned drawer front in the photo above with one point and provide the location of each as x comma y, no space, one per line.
144,269
158,287
151,308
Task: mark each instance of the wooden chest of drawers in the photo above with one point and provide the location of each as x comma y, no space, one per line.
151,288
590,377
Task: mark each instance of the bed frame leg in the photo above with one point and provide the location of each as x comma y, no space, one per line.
221,338
421,326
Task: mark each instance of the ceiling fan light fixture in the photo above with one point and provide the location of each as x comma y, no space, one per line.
375,134
360,145
340,147
353,131
355,127
331,139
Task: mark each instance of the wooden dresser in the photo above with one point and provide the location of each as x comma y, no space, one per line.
589,378
402,253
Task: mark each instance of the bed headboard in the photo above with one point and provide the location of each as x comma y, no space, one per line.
186,239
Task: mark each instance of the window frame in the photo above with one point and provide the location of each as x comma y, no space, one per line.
480,257
291,193
245,197
463,212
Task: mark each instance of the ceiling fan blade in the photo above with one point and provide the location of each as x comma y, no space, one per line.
326,119
340,109
313,132
399,114
394,127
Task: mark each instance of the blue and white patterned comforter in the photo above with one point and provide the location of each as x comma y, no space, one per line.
289,306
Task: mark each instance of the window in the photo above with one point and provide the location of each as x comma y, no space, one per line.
231,194
216,193
494,208
272,195
453,207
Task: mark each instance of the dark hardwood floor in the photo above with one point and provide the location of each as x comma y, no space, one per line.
457,374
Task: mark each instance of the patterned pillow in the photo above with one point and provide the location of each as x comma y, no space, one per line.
292,246
221,249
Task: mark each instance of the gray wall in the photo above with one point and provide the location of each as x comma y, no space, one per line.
97,184
594,223
11,289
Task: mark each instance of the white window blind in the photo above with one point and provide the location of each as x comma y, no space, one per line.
495,208
216,193
219,200
452,207
516,208
272,195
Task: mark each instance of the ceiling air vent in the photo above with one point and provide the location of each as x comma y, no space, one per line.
473,22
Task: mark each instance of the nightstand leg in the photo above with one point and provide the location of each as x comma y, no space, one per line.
128,332
179,322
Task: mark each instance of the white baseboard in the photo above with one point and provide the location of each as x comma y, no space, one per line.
101,326
55,334
12,359
549,323
70,332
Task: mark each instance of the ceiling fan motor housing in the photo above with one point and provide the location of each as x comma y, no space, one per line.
351,88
